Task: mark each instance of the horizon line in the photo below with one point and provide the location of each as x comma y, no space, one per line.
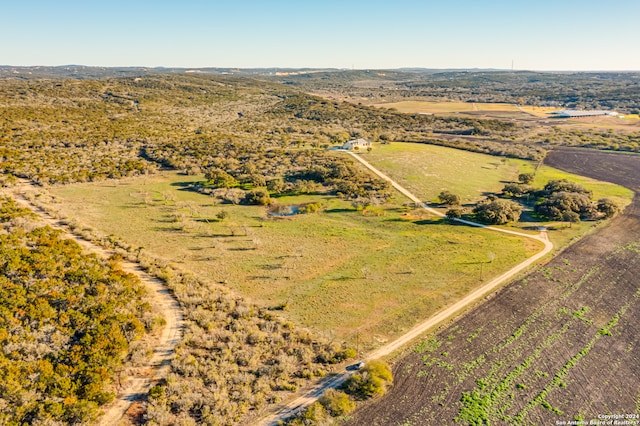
404,68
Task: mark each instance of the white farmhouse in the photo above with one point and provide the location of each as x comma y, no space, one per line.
357,144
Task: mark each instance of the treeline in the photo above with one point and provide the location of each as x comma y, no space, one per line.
502,149
66,324
379,123
593,138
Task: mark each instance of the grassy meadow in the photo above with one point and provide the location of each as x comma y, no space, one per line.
426,170
359,277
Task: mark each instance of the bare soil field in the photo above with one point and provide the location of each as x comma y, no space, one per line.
560,345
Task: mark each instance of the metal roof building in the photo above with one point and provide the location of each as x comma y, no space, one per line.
572,113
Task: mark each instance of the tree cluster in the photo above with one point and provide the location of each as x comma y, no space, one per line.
448,198
251,177
562,200
570,202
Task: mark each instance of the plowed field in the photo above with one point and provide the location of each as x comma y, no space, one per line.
561,345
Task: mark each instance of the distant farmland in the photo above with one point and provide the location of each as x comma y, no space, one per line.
446,107
559,345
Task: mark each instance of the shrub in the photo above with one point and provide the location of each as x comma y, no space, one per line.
315,414
218,178
526,178
371,380
222,215
454,214
337,403
448,198
607,207
516,190
258,196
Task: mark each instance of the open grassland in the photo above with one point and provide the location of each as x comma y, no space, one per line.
626,124
353,276
426,170
413,107
558,345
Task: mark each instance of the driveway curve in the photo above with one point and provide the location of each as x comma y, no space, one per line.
311,395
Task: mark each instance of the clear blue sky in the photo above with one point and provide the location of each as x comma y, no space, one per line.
536,35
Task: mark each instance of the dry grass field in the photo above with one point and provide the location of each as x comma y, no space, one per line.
630,123
446,107
351,276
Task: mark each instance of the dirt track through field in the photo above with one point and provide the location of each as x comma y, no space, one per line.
316,392
536,353
140,379
471,297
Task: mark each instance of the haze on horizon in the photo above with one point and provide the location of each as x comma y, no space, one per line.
570,35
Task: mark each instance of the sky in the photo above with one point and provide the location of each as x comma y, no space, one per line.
547,35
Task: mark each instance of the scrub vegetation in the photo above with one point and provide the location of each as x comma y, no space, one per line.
67,324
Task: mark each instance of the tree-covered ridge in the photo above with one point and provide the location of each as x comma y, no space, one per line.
65,131
61,131
66,322
595,90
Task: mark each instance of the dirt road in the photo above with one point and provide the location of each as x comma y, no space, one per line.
314,393
471,297
141,378
514,347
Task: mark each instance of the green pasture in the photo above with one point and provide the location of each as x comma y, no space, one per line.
360,277
426,170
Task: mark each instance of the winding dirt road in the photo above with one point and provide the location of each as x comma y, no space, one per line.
311,395
471,297
140,379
